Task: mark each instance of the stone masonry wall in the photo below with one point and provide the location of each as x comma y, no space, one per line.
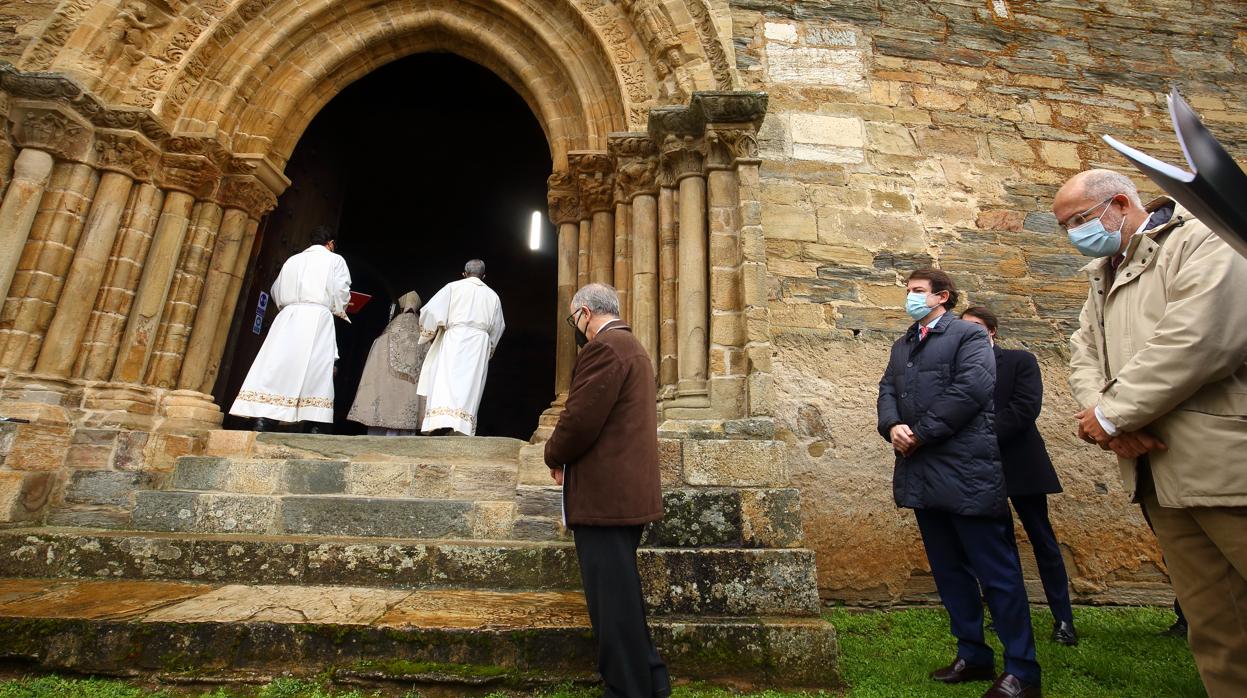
903,134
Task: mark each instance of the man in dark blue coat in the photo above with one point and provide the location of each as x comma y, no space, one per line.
1029,475
935,408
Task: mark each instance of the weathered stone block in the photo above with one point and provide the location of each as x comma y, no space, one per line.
539,501
302,476
204,473
735,463
493,520
484,482
362,516
38,447
362,564
818,66
378,479
729,582
228,513
257,562
165,511
771,518
789,222
671,462
24,496
229,443
697,518
114,487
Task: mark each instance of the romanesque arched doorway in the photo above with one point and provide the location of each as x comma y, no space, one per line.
451,167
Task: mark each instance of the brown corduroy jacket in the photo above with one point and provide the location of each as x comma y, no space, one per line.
608,435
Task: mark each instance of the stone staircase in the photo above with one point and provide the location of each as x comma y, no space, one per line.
411,559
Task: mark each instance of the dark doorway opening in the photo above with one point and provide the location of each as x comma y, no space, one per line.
421,165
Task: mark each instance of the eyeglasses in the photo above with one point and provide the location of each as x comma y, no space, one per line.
1079,218
571,320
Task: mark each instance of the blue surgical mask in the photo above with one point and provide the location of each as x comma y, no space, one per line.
916,305
1093,240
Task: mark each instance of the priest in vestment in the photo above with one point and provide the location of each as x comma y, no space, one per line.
386,401
464,323
291,379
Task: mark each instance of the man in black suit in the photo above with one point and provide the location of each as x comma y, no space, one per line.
1029,476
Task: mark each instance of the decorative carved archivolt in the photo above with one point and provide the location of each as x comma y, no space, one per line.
126,152
563,197
595,180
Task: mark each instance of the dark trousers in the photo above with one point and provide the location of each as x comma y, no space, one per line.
964,552
627,659
1033,511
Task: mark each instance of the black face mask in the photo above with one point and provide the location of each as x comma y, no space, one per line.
581,338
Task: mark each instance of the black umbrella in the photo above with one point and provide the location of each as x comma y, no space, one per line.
1215,190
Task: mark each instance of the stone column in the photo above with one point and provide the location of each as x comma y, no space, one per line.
685,157
245,200
564,202
595,186
623,258
187,176
123,158
668,268
636,170
121,279
584,230
40,273
183,298
31,172
225,319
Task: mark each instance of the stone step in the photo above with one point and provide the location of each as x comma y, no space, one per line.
717,581
308,476
448,450
172,629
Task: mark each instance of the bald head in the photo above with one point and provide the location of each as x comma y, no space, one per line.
1110,196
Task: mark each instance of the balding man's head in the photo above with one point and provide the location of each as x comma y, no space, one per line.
1104,194
474,267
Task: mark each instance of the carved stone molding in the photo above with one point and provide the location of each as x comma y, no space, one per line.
731,107
126,152
246,193
53,128
595,180
563,197
63,90
636,169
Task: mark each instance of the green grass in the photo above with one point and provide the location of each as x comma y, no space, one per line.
882,653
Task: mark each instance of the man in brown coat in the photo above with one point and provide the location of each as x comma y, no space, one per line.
604,453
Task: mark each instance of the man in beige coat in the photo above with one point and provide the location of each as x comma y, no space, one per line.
1159,366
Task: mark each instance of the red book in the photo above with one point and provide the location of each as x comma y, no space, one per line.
358,301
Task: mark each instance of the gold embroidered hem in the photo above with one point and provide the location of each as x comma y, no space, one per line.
285,400
454,413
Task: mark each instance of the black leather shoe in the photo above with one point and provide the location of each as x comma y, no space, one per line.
1178,629
1010,686
960,672
263,424
1063,634
315,428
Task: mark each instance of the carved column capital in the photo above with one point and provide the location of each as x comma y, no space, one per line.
246,193
595,180
683,156
730,107
563,197
53,128
126,152
727,145
193,165
636,168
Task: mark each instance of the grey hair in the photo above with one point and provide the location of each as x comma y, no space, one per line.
1103,184
600,299
474,267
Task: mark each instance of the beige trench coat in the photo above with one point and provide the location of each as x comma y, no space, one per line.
1165,349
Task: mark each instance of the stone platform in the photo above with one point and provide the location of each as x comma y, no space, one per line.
406,557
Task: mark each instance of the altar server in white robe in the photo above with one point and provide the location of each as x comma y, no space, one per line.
291,379
464,323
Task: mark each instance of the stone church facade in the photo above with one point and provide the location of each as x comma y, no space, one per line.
755,176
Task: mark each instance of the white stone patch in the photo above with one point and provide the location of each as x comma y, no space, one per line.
821,129
781,31
816,66
1001,8
830,36
828,153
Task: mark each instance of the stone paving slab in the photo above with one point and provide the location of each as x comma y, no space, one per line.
97,599
429,449
172,628
283,604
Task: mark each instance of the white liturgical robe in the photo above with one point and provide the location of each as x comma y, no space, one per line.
291,379
464,323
